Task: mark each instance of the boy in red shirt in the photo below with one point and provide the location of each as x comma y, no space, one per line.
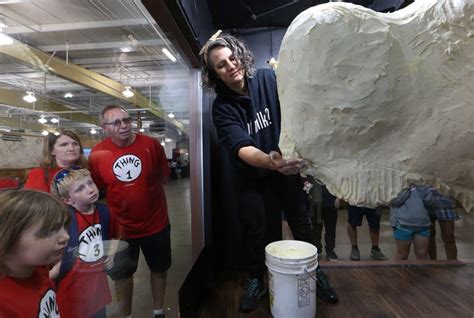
83,289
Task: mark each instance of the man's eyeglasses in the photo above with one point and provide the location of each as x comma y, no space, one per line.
118,122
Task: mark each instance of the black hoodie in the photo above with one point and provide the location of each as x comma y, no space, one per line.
252,120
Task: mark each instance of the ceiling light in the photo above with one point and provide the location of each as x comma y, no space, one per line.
54,120
42,119
127,92
5,39
2,25
44,133
163,143
171,115
93,131
68,95
29,97
141,130
168,54
168,140
57,133
126,49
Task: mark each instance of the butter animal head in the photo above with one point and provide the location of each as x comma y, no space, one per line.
376,101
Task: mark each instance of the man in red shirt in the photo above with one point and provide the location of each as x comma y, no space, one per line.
132,168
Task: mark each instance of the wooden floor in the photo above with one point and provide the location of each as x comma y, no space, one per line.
370,291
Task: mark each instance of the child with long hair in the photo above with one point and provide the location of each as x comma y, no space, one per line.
33,237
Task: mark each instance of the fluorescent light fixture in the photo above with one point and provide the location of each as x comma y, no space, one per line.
171,115
2,25
168,54
5,39
163,143
57,133
126,49
141,130
42,120
44,132
93,131
68,95
54,120
168,140
29,97
127,92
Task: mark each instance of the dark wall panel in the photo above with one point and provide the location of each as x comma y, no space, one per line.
264,43
199,19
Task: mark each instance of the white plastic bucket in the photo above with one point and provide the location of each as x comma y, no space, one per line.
291,278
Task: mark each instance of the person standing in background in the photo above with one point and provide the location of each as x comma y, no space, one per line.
62,151
355,216
410,218
323,207
132,168
445,218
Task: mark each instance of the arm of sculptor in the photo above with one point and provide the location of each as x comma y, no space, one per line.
272,161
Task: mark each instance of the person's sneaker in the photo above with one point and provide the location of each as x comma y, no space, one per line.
253,291
324,289
355,254
376,254
331,255
159,316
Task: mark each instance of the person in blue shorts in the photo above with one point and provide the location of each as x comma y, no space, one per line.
410,219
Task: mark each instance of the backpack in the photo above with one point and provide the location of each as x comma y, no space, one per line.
70,253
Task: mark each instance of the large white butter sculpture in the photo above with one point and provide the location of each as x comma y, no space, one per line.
376,101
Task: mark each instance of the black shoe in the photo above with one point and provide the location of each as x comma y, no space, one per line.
159,316
253,291
324,289
331,255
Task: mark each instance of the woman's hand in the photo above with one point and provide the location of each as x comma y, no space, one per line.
287,167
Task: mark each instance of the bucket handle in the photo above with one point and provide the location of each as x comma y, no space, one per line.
310,276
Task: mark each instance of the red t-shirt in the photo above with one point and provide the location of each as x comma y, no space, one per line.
84,290
28,297
133,177
37,180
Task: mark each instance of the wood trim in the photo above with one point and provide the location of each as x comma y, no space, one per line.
172,21
395,263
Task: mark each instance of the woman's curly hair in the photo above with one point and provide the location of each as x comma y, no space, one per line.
241,53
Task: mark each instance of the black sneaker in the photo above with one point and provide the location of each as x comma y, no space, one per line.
331,255
324,289
355,254
377,255
253,291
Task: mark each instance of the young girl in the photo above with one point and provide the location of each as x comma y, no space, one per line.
33,236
